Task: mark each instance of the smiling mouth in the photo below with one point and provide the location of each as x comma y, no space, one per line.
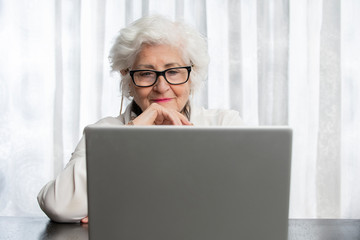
161,100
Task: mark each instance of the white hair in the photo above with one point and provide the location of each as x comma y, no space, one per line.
156,30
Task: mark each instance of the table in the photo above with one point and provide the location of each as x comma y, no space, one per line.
34,228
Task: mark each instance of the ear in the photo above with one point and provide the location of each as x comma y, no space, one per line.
124,72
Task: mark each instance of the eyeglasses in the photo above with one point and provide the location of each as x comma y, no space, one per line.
147,78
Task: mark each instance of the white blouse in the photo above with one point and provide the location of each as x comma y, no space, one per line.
64,199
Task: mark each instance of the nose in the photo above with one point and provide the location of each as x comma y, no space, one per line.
161,85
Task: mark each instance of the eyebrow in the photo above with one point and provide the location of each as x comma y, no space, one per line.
149,66
172,65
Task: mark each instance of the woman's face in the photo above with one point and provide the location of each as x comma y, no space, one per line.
160,58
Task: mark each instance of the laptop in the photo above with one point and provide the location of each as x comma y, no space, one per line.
193,183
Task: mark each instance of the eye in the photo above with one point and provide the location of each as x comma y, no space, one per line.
172,72
146,74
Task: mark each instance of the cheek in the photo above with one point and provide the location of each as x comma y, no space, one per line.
141,92
141,95
184,91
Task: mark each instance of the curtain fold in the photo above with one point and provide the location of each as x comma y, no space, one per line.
217,84
27,72
277,62
235,56
249,62
328,164
273,32
67,34
350,116
58,140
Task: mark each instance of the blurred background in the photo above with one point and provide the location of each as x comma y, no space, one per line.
277,62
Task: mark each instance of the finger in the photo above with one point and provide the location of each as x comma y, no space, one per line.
159,115
85,220
167,122
178,118
148,117
159,120
183,119
169,118
187,123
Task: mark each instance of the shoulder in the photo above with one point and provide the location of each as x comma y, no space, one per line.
120,120
215,117
109,121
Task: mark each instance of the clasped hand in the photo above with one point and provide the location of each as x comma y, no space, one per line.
156,114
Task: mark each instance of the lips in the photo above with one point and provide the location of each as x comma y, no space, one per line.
161,100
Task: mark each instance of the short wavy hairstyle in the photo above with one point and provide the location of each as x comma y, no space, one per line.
158,30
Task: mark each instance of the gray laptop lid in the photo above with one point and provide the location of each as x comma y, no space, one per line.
188,182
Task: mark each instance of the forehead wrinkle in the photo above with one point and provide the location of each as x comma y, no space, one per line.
150,66
147,66
172,65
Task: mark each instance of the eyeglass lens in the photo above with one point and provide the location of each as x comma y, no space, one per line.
173,76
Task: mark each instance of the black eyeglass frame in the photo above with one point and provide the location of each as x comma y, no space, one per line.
160,73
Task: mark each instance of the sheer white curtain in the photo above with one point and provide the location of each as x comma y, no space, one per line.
278,62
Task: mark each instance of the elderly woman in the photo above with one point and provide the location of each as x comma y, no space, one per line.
162,63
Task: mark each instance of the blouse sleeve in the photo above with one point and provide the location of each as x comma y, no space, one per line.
64,199
215,117
231,118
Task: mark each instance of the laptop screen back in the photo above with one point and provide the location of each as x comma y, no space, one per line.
188,182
